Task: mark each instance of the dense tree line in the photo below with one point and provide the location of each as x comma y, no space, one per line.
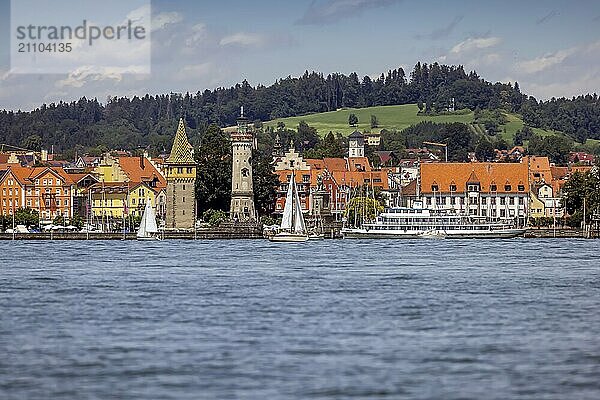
150,121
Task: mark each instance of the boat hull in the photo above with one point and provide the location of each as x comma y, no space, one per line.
288,237
453,234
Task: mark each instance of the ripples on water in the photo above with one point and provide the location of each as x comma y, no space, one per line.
516,319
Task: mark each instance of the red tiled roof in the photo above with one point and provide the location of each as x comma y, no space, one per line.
132,166
501,174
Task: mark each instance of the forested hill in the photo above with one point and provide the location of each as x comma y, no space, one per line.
129,123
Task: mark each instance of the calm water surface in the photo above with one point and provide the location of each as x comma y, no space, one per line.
515,319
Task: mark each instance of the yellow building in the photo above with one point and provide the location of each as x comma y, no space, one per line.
536,206
113,201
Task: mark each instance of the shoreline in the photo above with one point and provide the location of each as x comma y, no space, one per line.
248,233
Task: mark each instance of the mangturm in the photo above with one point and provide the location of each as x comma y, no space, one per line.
180,173
242,191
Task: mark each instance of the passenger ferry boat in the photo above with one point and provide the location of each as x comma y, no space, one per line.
432,224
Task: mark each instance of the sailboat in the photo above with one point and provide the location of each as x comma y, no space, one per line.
293,228
148,228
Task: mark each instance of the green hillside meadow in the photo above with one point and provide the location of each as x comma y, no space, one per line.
394,117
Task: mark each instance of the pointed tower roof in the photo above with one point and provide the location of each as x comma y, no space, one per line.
181,152
473,178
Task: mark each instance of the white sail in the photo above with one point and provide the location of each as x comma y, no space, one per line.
148,222
299,226
286,221
151,226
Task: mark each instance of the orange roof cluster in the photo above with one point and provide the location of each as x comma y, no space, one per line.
140,169
507,177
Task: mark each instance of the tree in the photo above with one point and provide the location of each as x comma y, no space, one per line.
374,121
33,142
420,105
213,176
362,209
214,217
579,189
484,150
265,184
27,217
352,120
556,148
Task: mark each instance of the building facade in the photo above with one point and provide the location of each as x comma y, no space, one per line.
490,190
180,174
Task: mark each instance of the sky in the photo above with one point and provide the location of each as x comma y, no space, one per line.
552,48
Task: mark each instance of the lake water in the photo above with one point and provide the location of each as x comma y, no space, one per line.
512,319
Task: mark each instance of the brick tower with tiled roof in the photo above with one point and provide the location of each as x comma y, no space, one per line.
180,173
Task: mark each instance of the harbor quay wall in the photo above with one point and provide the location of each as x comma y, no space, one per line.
216,233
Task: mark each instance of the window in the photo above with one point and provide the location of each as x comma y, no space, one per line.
183,199
521,188
29,203
29,192
16,191
10,191
453,188
507,188
435,188
502,201
37,181
37,192
66,203
182,212
4,191
189,170
183,187
180,170
58,191
66,192
305,178
493,187
58,202
45,182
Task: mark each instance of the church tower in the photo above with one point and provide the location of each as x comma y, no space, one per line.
242,191
180,173
356,145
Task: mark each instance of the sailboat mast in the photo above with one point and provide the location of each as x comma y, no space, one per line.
292,181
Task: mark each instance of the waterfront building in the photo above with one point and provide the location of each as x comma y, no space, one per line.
242,190
180,174
44,189
325,185
491,190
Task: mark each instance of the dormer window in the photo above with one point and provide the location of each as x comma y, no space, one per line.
521,188
507,188
473,188
453,188
493,188
435,188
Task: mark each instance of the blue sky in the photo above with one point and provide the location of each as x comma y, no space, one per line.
552,48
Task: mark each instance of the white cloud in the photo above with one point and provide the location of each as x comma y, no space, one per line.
159,21
83,75
244,39
546,61
475,44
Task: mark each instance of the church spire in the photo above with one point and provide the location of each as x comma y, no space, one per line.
181,152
